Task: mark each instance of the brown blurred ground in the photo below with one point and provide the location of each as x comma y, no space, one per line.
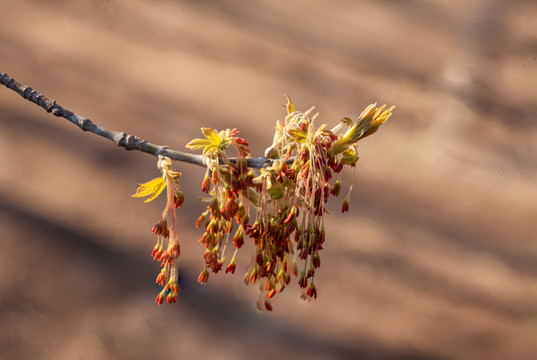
437,258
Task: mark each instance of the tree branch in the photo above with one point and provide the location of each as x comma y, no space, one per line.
129,142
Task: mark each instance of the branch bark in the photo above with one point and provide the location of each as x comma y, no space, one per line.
127,141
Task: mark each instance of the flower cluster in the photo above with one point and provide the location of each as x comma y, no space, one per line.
166,228
228,184
289,226
304,169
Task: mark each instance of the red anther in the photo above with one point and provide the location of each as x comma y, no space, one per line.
271,294
206,185
241,141
160,299
204,277
231,268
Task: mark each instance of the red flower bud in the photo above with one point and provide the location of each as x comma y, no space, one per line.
232,207
238,239
178,199
204,277
229,193
345,206
312,291
316,260
239,215
337,167
162,277
290,217
172,297
201,219
231,268
303,281
253,276
206,185
336,188
305,170
172,286
241,141
327,174
216,267
271,294
157,250
161,228
215,177
160,298
214,207
225,215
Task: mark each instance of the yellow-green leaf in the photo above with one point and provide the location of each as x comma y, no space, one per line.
198,144
298,135
212,136
152,188
275,192
290,106
350,156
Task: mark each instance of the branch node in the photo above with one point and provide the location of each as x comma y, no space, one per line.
128,141
56,111
27,93
161,150
266,162
35,97
86,125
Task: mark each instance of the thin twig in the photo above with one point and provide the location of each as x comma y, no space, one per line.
129,142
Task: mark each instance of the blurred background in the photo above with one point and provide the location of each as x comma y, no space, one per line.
437,258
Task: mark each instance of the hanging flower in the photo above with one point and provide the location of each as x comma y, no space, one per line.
166,228
228,184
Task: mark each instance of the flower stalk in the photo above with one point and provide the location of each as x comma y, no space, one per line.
166,228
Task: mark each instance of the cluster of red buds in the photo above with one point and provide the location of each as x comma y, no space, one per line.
166,228
289,226
289,195
228,184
